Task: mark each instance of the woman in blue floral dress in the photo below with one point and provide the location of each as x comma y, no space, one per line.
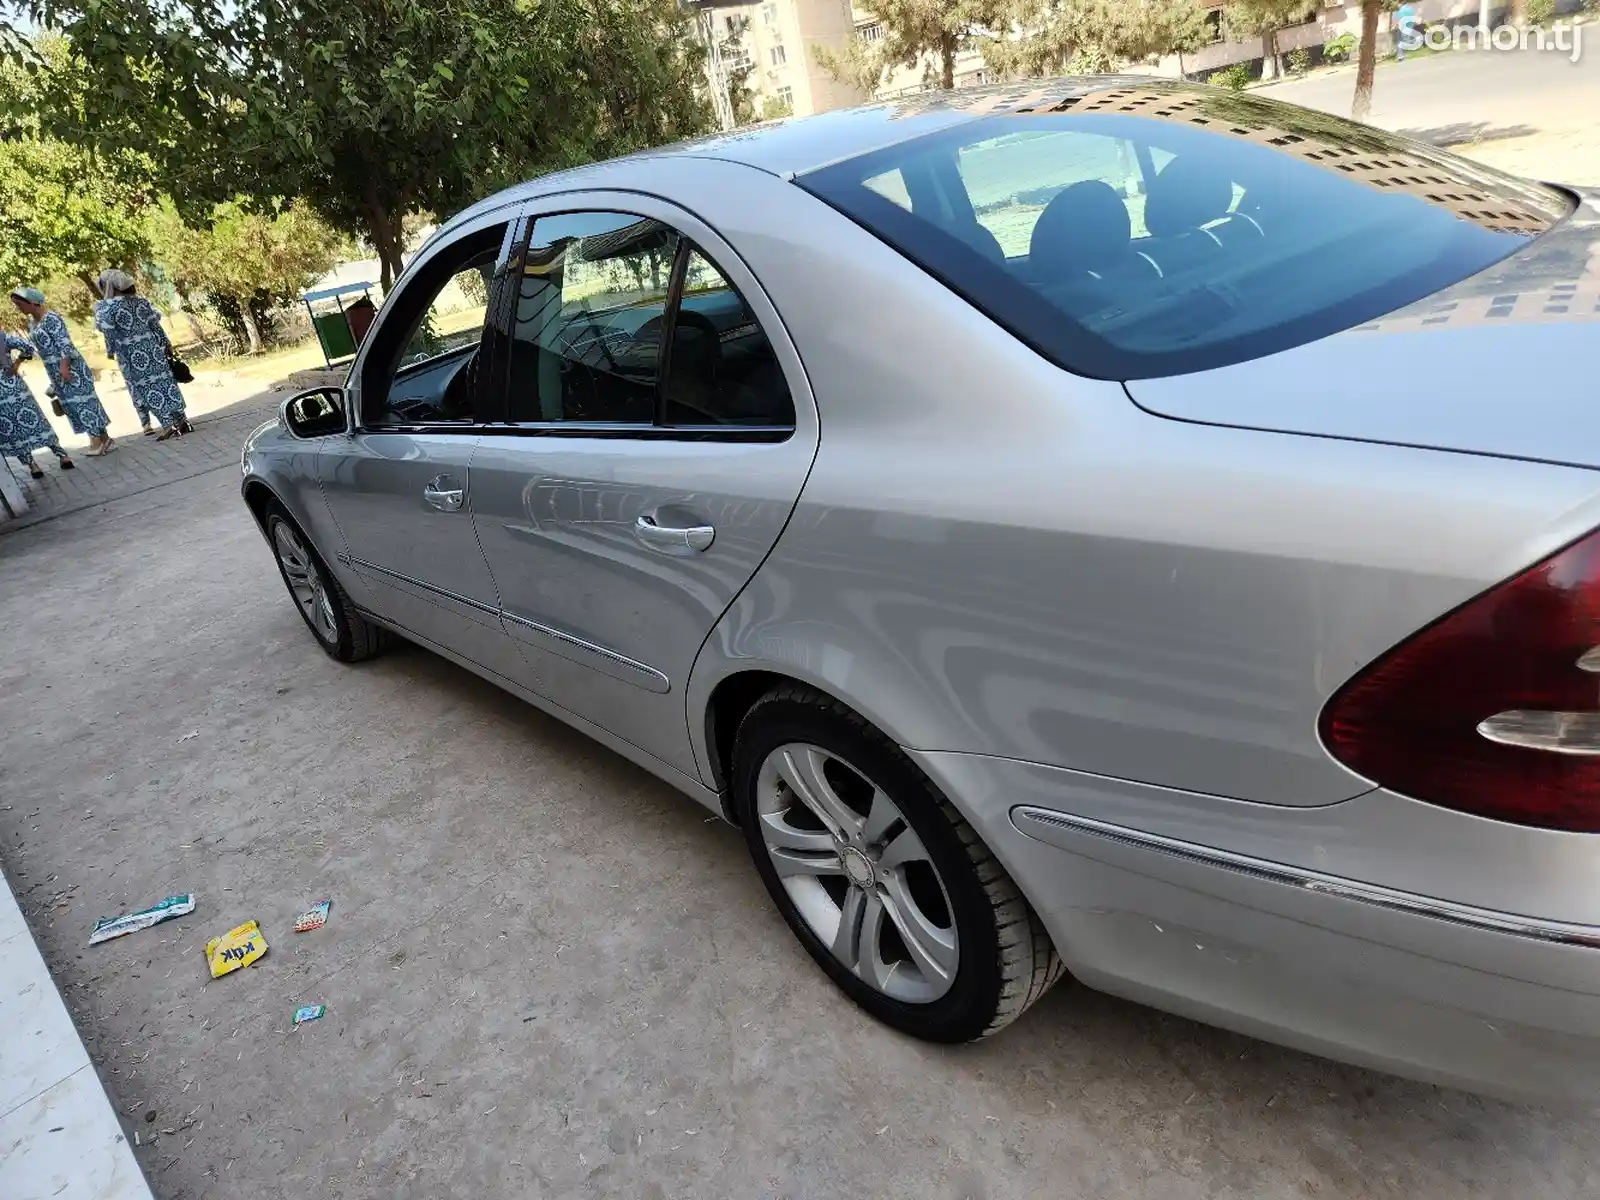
134,337
70,380
23,427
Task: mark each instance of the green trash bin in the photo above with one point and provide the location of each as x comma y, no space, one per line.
339,327
333,331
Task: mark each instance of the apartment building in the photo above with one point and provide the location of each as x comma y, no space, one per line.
773,41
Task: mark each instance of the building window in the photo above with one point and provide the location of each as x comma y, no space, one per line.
872,33
778,55
785,97
769,13
1214,25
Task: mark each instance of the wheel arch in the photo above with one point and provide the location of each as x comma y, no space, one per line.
257,496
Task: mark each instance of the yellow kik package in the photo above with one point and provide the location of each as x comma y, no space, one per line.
239,947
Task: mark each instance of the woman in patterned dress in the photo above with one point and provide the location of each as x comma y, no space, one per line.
134,337
23,428
69,375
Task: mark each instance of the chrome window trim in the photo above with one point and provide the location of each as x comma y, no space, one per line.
1024,816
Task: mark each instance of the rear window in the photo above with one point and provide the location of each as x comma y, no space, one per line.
1156,231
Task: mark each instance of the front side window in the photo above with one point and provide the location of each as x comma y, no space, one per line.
779,56
423,365
591,307
1144,231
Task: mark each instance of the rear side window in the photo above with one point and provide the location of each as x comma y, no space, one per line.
1157,231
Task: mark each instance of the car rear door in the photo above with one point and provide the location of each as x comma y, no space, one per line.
399,484
655,434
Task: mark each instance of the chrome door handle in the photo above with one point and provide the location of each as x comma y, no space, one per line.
666,537
443,493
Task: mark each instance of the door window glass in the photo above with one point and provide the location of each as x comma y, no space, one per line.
591,304
722,369
424,369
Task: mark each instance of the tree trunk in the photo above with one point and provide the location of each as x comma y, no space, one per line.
1367,59
1483,16
947,61
1181,73
1270,68
388,239
251,330
188,315
88,281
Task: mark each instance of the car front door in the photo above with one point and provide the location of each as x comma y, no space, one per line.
399,483
656,432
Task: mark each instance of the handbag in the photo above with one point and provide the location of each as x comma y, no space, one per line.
180,369
55,406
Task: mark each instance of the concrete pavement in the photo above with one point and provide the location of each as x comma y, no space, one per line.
1529,112
546,974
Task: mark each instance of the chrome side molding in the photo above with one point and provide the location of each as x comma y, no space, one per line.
1040,823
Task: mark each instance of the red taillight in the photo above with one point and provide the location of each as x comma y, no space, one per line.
1489,709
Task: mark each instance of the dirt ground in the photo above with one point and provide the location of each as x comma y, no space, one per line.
546,973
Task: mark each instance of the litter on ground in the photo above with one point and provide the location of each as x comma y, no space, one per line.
107,928
308,1012
239,947
314,917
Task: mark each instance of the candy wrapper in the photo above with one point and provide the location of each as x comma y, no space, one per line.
239,947
308,1012
107,928
314,917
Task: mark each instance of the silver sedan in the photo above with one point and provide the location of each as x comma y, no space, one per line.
1110,527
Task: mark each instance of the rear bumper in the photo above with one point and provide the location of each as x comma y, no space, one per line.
1483,1000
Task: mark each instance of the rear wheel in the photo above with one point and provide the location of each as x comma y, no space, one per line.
322,603
881,879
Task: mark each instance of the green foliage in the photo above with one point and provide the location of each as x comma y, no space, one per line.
65,213
741,95
1299,60
857,63
1088,35
1339,48
1539,13
1235,78
772,110
244,263
371,109
915,30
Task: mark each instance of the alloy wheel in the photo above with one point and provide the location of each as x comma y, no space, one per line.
305,583
857,873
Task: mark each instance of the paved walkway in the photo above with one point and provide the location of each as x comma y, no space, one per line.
140,463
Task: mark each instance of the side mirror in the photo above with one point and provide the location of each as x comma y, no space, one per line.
315,413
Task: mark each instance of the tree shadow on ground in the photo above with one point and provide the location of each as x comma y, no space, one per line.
1461,133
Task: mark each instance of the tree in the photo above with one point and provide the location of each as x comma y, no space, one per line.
64,213
857,63
371,109
1087,36
1367,59
244,262
741,96
1265,18
1188,31
913,31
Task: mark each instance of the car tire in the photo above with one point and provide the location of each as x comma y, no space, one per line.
320,599
931,935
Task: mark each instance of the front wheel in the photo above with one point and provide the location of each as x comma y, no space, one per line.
881,879
323,604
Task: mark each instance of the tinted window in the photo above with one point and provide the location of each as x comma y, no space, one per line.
423,366
1158,230
591,303
722,368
